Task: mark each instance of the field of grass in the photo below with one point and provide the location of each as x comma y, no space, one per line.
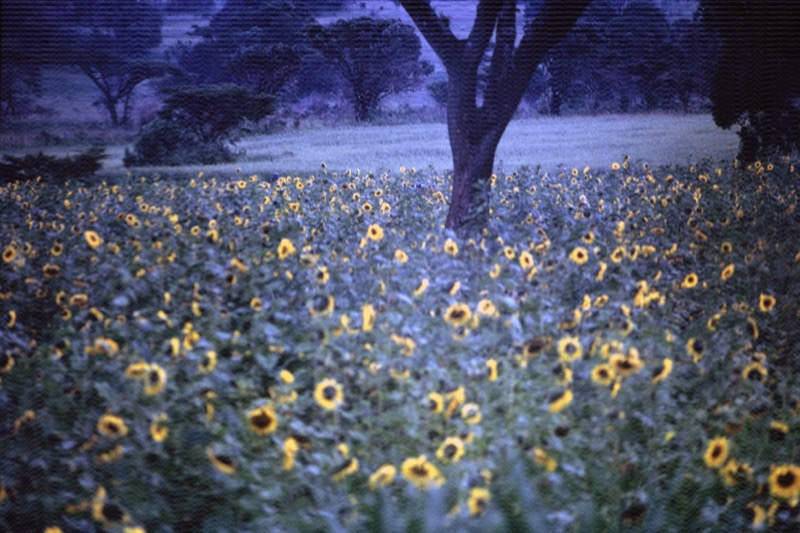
223,352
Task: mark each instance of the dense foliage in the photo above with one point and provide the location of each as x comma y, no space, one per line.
50,167
227,352
196,123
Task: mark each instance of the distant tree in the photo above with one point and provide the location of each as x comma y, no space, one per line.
757,80
261,45
111,42
474,128
376,58
195,123
201,7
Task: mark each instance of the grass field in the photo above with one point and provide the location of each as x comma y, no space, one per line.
617,353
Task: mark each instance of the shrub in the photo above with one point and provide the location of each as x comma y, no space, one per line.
32,166
165,143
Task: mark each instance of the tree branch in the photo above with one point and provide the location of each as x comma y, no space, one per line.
435,29
482,30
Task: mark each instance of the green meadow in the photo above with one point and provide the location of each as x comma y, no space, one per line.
221,350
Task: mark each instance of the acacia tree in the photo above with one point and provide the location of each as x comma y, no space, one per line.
375,57
475,123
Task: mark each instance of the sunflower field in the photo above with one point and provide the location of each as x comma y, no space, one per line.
618,351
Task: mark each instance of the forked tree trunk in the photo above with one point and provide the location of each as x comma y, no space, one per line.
475,130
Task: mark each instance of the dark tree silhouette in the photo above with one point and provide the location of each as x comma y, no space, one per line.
375,57
476,122
757,80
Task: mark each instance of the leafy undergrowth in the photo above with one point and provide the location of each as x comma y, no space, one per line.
316,353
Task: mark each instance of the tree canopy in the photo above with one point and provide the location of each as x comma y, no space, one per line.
376,57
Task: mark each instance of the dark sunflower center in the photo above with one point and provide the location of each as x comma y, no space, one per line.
261,420
111,427
786,480
625,365
329,393
457,314
716,452
420,470
112,512
153,377
450,451
697,345
224,459
433,405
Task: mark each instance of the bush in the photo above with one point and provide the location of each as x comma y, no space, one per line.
165,143
32,166
195,124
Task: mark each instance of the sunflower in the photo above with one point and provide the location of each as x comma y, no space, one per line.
51,271
536,345
262,420
602,272
726,247
93,239
6,362
778,430
421,473
766,302
367,317
156,380
716,452
695,348
344,470
57,249
458,315
727,272
329,394
106,512
221,461
381,477
401,256
286,376
478,500
509,253
579,255
626,364
526,260
661,372
784,482
491,369
451,450
690,281
286,248
374,232
487,308
569,349
435,402
112,426
450,247
158,429
603,374
616,256
290,449
12,319
542,458
207,362
560,400
137,370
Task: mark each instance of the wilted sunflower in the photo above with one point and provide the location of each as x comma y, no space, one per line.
458,315
421,473
784,482
329,394
695,348
112,426
344,470
262,420
560,400
716,452
451,450
661,372
381,477
221,461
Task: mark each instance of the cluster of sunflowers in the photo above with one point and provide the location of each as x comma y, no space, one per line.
618,343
